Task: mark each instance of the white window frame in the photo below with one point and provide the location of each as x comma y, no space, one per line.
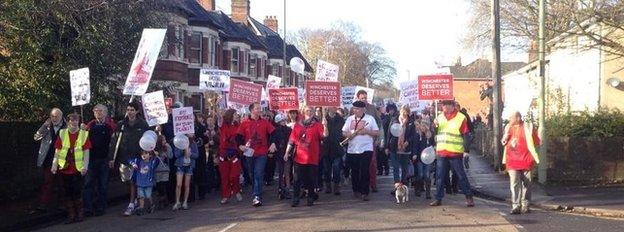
235,58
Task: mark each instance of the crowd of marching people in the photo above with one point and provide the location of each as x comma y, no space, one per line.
303,152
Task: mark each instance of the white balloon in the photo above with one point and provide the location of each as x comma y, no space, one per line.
396,129
428,155
147,143
152,134
181,142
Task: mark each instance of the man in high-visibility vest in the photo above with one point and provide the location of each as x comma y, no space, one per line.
451,142
71,160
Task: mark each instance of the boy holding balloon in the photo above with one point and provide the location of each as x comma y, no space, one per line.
144,171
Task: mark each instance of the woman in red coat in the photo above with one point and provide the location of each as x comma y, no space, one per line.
520,140
229,160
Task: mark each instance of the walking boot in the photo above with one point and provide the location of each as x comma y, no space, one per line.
418,187
328,188
79,204
71,212
336,189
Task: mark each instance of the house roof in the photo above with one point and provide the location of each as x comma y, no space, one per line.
262,29
482,69
199,16
234,31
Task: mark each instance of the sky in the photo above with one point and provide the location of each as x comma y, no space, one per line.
415,33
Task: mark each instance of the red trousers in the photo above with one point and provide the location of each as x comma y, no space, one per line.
230,171
373,169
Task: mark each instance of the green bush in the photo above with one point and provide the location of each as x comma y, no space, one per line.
603,123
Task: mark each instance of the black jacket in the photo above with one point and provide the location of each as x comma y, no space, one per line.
392,141
129,145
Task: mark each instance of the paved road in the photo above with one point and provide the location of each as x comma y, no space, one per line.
343,213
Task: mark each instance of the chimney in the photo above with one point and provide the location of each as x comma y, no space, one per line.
533,51
208,5
271,22
240,11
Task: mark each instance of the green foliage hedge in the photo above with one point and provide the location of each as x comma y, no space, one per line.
603,123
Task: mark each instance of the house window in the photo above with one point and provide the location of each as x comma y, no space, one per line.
195,48
252,65
179,41
212,51
275,69
235,60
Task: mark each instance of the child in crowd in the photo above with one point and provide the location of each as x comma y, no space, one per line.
164,154
185,163
145,171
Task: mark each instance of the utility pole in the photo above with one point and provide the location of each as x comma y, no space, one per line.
496,75
541,168
284,47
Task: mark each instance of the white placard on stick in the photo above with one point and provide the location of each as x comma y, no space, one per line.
409,96
154,108
183,121
326,71
273,82
80,86
144,61
214,79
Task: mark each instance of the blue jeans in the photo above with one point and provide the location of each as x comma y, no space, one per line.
97,176
257,164
423,171
332,167
442,167
399,165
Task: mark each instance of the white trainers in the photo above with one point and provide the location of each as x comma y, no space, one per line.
176,206
224,200
239,197
129,210
185,206
256,202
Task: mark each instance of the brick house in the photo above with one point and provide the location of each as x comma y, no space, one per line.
198,37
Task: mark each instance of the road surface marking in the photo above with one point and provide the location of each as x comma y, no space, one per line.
228,227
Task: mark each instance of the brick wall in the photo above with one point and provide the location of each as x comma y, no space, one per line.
466,92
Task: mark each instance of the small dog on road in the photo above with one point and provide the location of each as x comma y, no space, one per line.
401,193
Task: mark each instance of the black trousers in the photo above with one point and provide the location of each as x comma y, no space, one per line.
383,164
269,171
306,177
360,171
72,185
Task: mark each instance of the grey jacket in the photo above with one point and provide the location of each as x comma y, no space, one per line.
45,136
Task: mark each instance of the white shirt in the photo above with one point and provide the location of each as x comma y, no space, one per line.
360,143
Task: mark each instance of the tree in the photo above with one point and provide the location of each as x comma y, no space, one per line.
361,62
519,23
42,41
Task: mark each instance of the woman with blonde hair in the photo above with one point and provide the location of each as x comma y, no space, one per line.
399,144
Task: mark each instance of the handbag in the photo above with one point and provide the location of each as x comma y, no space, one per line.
162,171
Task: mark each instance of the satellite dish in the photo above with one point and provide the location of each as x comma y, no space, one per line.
297,65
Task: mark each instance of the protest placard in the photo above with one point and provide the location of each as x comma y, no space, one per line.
323,93
214,79
80,86
154,108
273,82
435,87
326,71
409,96
244,93
347,96
283,99
183,121
144,61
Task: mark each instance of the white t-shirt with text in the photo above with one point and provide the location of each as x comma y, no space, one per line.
360,143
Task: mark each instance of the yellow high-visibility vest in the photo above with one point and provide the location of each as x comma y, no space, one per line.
78,152
449,137
528,135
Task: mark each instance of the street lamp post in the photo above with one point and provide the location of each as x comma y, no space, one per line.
541,168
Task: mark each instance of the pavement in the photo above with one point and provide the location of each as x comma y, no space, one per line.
592,200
